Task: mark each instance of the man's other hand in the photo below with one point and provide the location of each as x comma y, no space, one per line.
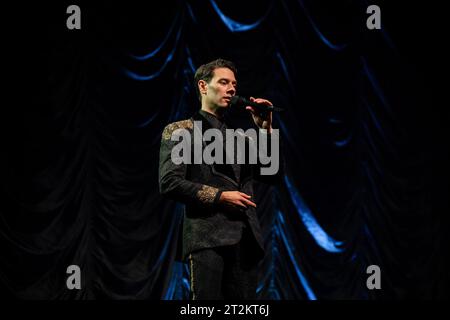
236,199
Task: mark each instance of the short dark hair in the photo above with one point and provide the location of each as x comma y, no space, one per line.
206,72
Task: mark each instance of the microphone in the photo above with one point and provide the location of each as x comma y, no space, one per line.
238,101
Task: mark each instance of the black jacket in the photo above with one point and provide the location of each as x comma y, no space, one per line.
206,223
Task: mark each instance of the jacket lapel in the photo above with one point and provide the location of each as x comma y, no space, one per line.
223,170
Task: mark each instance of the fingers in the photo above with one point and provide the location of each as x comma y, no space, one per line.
241,204
261,100
239,199
245,200
251,109
251,203
244,203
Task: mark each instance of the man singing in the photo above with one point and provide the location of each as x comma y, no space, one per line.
222,241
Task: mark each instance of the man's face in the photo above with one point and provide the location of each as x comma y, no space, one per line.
220,89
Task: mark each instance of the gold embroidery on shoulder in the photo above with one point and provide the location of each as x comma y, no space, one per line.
207,194
170,128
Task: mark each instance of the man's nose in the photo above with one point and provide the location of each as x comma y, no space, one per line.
231,90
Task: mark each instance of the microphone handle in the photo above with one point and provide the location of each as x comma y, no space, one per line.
262,107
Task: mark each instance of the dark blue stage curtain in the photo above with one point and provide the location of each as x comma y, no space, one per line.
80,161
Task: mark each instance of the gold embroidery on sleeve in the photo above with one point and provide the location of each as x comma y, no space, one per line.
207,194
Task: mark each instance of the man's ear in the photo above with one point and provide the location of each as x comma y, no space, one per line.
202,86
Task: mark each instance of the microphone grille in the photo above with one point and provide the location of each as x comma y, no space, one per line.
236,101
